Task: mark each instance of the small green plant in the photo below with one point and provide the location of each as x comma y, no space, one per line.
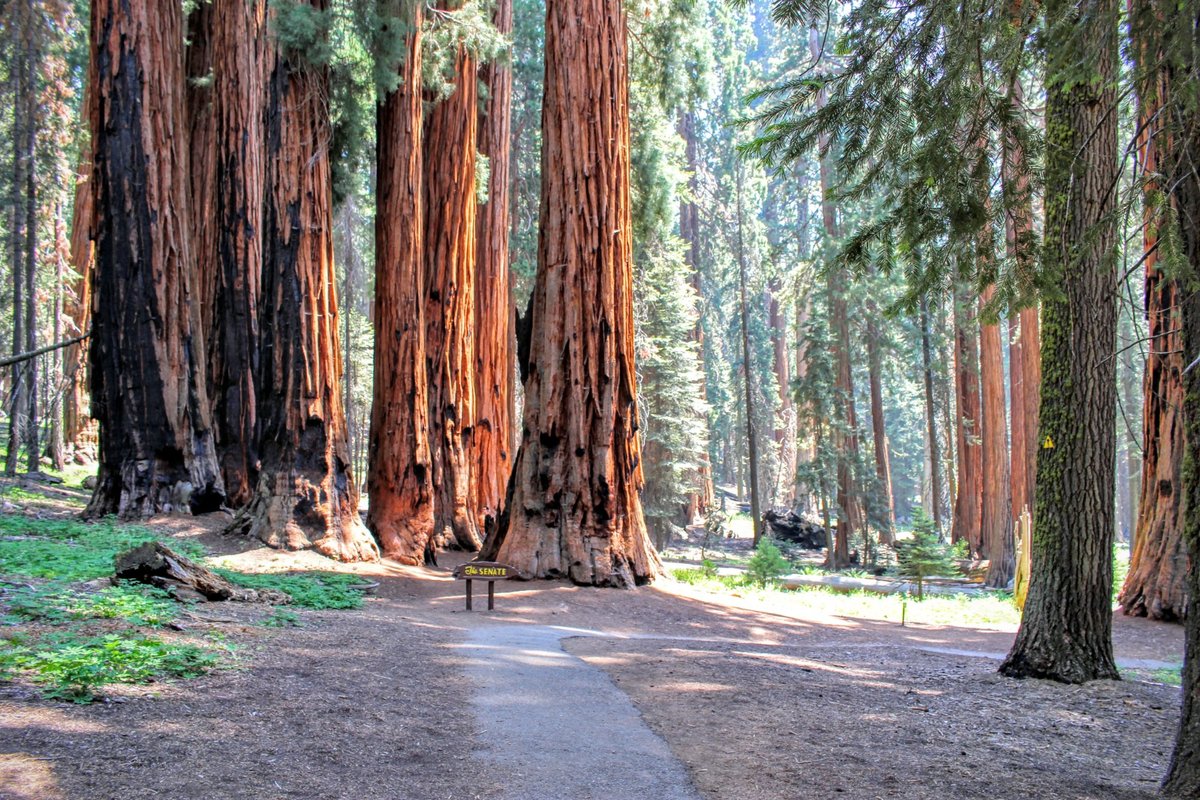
767,563
282,618
315,590
708,568
924,556
57,604
73,669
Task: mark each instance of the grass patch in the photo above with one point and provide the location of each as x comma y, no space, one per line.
58,604
72,668
314,590
991,609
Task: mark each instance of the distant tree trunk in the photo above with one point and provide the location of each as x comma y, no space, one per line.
883,464
935,467
450,229
79,301
493,308
748,371
968,505
54,445
701,500
997,522
1156,585
574,509
33,452
238,53
148,389
306,496
851,516
400,474
1066,628
22,136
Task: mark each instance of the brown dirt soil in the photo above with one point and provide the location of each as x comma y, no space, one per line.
756,700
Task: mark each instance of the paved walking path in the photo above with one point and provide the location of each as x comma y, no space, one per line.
553,726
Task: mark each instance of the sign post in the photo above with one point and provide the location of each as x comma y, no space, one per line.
489,571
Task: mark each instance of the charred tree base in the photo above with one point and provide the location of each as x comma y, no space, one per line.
145,488
289,512
1062,663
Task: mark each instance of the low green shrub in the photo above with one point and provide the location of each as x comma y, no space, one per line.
767,564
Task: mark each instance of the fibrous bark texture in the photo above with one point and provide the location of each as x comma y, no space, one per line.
574,509
968,500
305,496
239,48
1156,586
997,522
400,475
492,438
156,444
1066,628
449,245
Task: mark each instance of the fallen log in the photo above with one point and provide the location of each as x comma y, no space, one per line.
156,564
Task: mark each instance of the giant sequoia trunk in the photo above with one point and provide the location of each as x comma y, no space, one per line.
449,245
400,475
239,52
1066,628
968,500
574,509
493,308
156,444
306,496
1157,582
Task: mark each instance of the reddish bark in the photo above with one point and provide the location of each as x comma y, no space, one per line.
239,54
306,496
883,462
996,520
156,446
968,501
1156,586
449,245
574,509
492,438
400,475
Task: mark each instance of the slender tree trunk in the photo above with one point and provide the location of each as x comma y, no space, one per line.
306,496
54,446
935,477
33,452
883,464
79,301
450,229
17,398
238,54
997,522
148,389
493,309
1156,585
968,506
851,517
400,476
1066,628
574,509
748,371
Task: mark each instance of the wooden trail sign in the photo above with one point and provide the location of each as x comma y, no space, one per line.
489,571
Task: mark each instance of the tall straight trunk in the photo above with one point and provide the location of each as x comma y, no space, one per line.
306,496
946,391
968,504
33,452
450,228
1025,372
1156,585
400,471
935,467
805,448
748,371
883,463
1170,20
1066,627
18,403
493,308
701,500
54,445
199,101
79,301
784,491
996,521
574,509
239,47
148,389
851,515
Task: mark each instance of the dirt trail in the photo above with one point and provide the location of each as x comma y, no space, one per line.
411,697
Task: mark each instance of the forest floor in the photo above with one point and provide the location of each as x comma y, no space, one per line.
666,692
